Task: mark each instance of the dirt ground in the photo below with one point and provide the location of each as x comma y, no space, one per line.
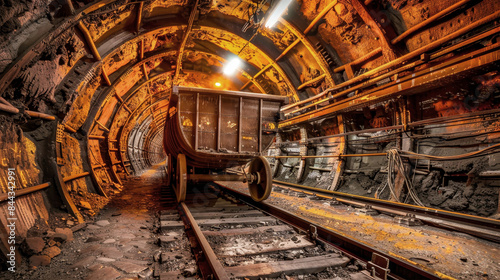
119,243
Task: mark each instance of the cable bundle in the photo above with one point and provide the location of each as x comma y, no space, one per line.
396,163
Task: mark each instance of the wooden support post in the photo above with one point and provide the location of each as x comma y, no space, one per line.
139,17
141,50
256,75
385,43
342,150
359,61
40,115
349,72
68,5
323,12
105,76
308,83
101,125
405,144
69,128
89,41
291,46
97,137
9,109
63,192
428,21
145,72
76,176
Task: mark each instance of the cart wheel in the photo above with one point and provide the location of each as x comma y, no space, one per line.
181,178
261,189
170,168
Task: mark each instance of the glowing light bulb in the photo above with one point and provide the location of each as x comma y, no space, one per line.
276,13
232,66
217,84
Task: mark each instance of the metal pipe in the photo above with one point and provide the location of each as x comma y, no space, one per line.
73,177
139,17
40,115
401,59
287,49
310,82
6,102
69,128
97,137
323,12
21,192
333,156
428,21
8,109
101,125
342,134
256,75
360,60
105,76
89,41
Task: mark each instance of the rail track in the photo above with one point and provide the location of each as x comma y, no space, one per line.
408,214
234,237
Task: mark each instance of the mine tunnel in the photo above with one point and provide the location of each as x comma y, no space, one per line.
251,139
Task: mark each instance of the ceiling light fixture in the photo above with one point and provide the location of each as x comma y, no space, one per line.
232,66
276,12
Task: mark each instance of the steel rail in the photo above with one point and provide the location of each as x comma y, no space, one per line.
400,268
217,269
482,227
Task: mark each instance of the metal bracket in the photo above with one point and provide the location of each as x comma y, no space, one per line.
408,219
313,232
334,201
378,266
367,210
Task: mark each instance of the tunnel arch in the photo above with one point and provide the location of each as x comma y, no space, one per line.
97,70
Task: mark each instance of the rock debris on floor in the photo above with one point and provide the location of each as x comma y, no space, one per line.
118,244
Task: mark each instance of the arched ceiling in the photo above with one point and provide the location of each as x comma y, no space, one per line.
100,65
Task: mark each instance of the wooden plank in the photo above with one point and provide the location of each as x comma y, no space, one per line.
166,225
248,247
238,221
299,266
247,231
218,215
169,217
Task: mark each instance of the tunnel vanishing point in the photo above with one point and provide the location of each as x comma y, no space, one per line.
391,99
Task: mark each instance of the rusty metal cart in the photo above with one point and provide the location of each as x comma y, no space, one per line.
210,130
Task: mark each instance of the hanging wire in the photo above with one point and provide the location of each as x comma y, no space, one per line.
395,163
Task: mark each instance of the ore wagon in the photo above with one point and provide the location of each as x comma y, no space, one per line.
207,131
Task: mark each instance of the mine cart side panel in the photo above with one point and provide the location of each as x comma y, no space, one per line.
219,128
229,123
